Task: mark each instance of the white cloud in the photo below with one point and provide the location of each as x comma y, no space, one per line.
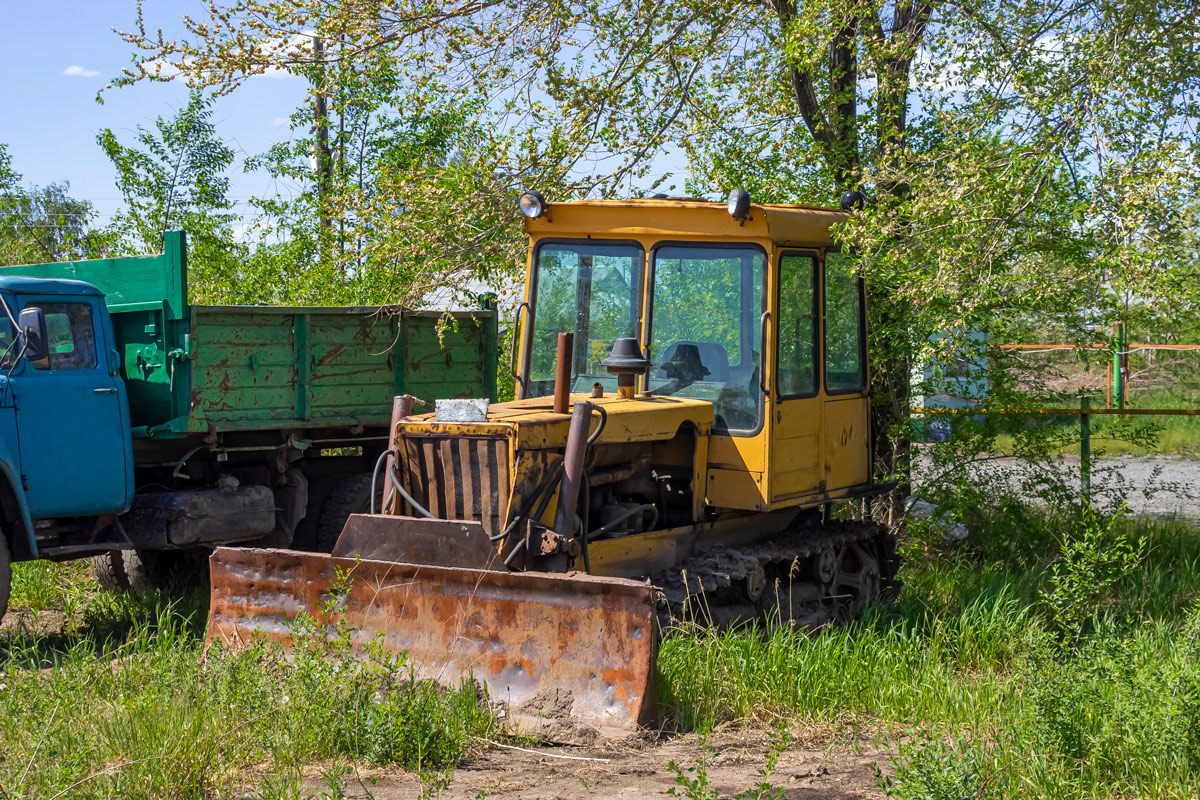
281,121
76,71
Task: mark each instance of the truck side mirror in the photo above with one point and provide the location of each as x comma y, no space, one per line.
32,324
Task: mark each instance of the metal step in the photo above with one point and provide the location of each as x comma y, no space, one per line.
66,552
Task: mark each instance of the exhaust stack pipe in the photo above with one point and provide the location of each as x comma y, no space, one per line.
562,372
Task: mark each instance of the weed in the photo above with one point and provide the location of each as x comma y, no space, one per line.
933,770
1092,562
692,782
764,789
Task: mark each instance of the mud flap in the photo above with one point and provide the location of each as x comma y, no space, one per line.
571,648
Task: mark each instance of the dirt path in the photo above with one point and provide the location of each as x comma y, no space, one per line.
641,769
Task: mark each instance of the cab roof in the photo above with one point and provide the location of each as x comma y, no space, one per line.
20,284
686,218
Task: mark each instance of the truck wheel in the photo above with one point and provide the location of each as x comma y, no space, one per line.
319,490
351,496
143,570
5,576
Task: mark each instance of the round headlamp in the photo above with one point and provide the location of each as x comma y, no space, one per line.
739,204
532,204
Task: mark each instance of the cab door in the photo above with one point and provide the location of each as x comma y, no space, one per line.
72,415
847,424
796,408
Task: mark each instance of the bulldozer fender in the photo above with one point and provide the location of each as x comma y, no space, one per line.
553,647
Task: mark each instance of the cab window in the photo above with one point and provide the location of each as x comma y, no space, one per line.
797,340
704,332
593,290
845,350
69,335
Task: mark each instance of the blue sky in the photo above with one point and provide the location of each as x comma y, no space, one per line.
57,55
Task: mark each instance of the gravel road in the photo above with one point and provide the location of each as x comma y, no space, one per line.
1155,486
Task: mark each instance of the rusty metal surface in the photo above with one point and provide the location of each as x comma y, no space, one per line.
436,542
573,465
459,477
526,636
562,372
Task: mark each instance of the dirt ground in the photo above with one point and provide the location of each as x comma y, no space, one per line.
634,769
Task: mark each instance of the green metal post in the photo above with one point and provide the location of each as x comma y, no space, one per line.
1085,450
1119,365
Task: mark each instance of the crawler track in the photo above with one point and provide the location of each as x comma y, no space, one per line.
808,576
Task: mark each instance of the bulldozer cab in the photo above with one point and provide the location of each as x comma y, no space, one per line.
763,317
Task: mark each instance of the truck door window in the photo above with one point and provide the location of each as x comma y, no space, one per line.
8,344
845,351
593,290
70,335
797,326
704,333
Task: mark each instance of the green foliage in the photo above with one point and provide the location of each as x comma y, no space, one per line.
399,199
692,782
128,703
764,789
969,675
39,225
174,177
934,770
1093,559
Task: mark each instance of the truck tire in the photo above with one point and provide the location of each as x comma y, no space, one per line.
5,575
351,496
144,570
319,490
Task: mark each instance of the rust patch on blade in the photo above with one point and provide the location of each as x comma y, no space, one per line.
520,634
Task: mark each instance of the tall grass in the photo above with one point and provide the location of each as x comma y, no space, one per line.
972,678
127,703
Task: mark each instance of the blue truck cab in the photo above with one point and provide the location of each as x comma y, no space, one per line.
65,448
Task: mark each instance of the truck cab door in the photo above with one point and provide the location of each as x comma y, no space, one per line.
73,416
796,408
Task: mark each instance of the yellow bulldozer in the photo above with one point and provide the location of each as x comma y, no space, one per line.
692,396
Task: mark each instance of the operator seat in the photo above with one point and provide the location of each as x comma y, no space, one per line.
712,355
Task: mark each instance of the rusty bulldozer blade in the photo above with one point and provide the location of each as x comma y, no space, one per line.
570,648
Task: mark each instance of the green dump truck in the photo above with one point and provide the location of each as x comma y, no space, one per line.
152,429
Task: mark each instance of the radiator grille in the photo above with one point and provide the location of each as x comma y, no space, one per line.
459,477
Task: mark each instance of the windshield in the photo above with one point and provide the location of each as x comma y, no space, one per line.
593,290
705,329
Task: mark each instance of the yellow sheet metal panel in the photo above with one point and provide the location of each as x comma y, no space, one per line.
645,553
795,450
731,488
675,219
739,452
643,419
795,466
847,442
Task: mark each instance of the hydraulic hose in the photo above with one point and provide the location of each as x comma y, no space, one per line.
529,501
591,440
417,507
546,495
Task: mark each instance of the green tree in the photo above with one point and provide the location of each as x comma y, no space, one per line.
1008,148
382,174
174,177
40,224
